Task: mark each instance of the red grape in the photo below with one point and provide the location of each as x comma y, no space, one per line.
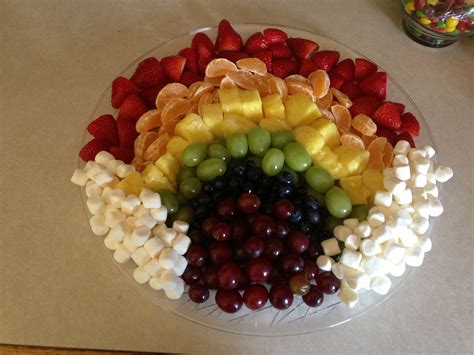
197,255
298,242
299,284
220,252
248,203
208,225
273,248
259,269
191,275
314,297
226,209
198,293
327,282
283,209
263,226
222,231
229,301
281,228
209,277
254,247
292,263
255,296
281,296
310,269
229,275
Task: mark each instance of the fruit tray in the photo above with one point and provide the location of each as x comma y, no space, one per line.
274,317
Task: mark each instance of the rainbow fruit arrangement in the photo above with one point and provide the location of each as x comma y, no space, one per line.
265,170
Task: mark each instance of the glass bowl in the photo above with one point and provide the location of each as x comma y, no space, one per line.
268,321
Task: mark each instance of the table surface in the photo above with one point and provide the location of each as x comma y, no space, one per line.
57,288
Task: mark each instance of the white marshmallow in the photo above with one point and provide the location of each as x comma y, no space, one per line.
112,165
400,159
181,243
169,280
394,185
130,243
382,233
89,165
403,217
348,296
414,153
181,226
103,177
402,172
92,189
103,158
351,258
407,237
140,211
338,270
140,256
375,219
421,165
352,241
123,170
95,205
414,256
342,232
431,178
443,173
420,225
141,276
393,252
152,267
383,198
325,262
92,169
117,196
401,147
357,280
418,180
119,231
431,189
429,150
150,199
370,248
159,229
155,282
375,266
388,172
159,214
352,223
177,292
181,265
398,269
331,247
131,221
363,230
140,235
145,220
422,206
106,194
381,284
436,208
167,236
404,197
111,243
112,218
425,243
121,254
431,169
130,204
97,224
168,258
418,192
153,246
79,177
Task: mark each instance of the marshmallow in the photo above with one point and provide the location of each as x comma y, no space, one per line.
111,243
420,225
436,208
92,169
167,236
159,229
140,211
429,150
418,180
388,172
103,177
357,280
177,292
121,254
119,231
89,165
123,170
159,214
150,199
103,158
418,192
331,247
140,235
79,177
431,178
431,189
117,196
368,247
404,197
414,153
383,198
425,243
363,230
421,165
181,265
400,159
112,165
168,258
95,204
401,147
130,204
381,284
342,232
324,262
398,269
375,266
131,221
393,252
106,194
382,233
181,226
375,219
112,218
431,169
145,220
92,189
394,185
352,223
97,224
338,270
140,256
141,276
169,280
443,173
130,243
402,172
407,237
402,217
352,241
152,267
181,243
351,258
348,296
414,256
153,246
155,282
422,206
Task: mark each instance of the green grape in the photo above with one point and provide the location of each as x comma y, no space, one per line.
185,173
296,157
259,141
209,169
319,179
190,188
218,141
273,161
169,201
281,138
360,212
237,145
331,222
338,203
218,151
319,196
185,213
194,154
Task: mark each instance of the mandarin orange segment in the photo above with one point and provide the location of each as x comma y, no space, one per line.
219,67
168,127
205,99
227,83
278,86
143,141
376,164
242,80
320,82
325,102
342,118
199,88
376,148
157,148
364,124
174,109
368,139
351,140
170,91
342,98
264,88
149,120
138,163
297,78
253,65
387,155
327,115
300,88
214,81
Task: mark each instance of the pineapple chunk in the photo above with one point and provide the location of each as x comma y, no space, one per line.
312,140
175,146
328,160
169,166
355,190
373,181
273,106
230,100
236,124
354,159
329,131
132,184
155,180
300,110
251,105
212,115
193,129
274,124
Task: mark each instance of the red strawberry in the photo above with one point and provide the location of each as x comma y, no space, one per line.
388,115
410,124
127,133
90,150
336,80
233,56
149,96
173,66
387,133
121,88
303,48
274,35
345,69
325,59
201,40
363,68
407,137
307,67
227,38
124,154
284,67
204,57
132,108
375,84
364,104
191,59
149,73
280,51
401,107
351,89
104,128
188,78
266,57
255,43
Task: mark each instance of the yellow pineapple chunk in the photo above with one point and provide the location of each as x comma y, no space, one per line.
132,184
310,138
193,129
355,190
169,166
274,124
300,110
212,115
373,181
230,100
175,146
155,180
251,105
328,160
354,159
273,106
329,131
236,124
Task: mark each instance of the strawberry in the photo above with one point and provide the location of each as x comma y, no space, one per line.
255,43
90,149
188,78
364,104
336,80
121,88
274,35
173,66
307,67
410,124
325,59
407,137
149,96
351,89
284,67
302,48
363,68
280,51
191,59
266,57
388,115
387,133
401,107
104,128
132,108
232,56
127,133
375,84
227,38
201,40
149,73
344,69
204,57
124,154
